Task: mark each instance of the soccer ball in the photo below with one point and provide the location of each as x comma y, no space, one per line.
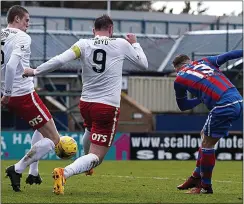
66,148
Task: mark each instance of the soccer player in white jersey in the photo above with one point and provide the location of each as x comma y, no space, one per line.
20,97
102,60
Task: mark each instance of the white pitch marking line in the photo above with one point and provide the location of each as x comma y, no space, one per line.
161,178
144,177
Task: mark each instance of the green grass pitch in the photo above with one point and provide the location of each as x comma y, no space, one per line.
128,182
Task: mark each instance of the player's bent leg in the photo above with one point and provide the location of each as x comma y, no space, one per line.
38,116
195,179
38,150
80,165
207,163
214,129
41,148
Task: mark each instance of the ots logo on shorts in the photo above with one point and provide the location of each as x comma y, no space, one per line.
36,121
99,137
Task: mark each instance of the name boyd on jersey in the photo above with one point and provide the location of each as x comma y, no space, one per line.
102,41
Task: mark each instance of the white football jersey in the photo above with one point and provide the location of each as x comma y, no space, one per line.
15,42
102,61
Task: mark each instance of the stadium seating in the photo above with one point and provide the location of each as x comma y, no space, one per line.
156,47
203,43
160,49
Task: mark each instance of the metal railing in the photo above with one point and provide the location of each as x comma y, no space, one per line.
69,22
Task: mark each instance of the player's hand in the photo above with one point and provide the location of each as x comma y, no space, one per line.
28,72
5,100
131,38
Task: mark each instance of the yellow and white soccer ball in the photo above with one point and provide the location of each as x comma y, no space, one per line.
66,148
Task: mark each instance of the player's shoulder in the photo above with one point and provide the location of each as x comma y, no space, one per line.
16,34
201,61
122,41
81,42
23,36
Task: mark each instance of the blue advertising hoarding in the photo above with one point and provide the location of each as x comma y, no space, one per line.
15,144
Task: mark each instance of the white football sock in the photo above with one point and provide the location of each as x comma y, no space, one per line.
82,164
38,150
86,141
34,166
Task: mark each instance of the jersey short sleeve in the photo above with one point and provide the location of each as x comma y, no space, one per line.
22,45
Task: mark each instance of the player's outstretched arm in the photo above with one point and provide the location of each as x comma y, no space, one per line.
223,58
182,101
134,53
55,62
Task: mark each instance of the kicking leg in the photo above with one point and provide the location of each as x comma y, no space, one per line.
79,166
103,121
195,179
207,163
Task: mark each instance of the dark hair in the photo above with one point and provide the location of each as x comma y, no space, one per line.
103,22
16,10
180,59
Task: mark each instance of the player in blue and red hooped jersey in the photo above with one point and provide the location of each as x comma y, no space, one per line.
210,86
